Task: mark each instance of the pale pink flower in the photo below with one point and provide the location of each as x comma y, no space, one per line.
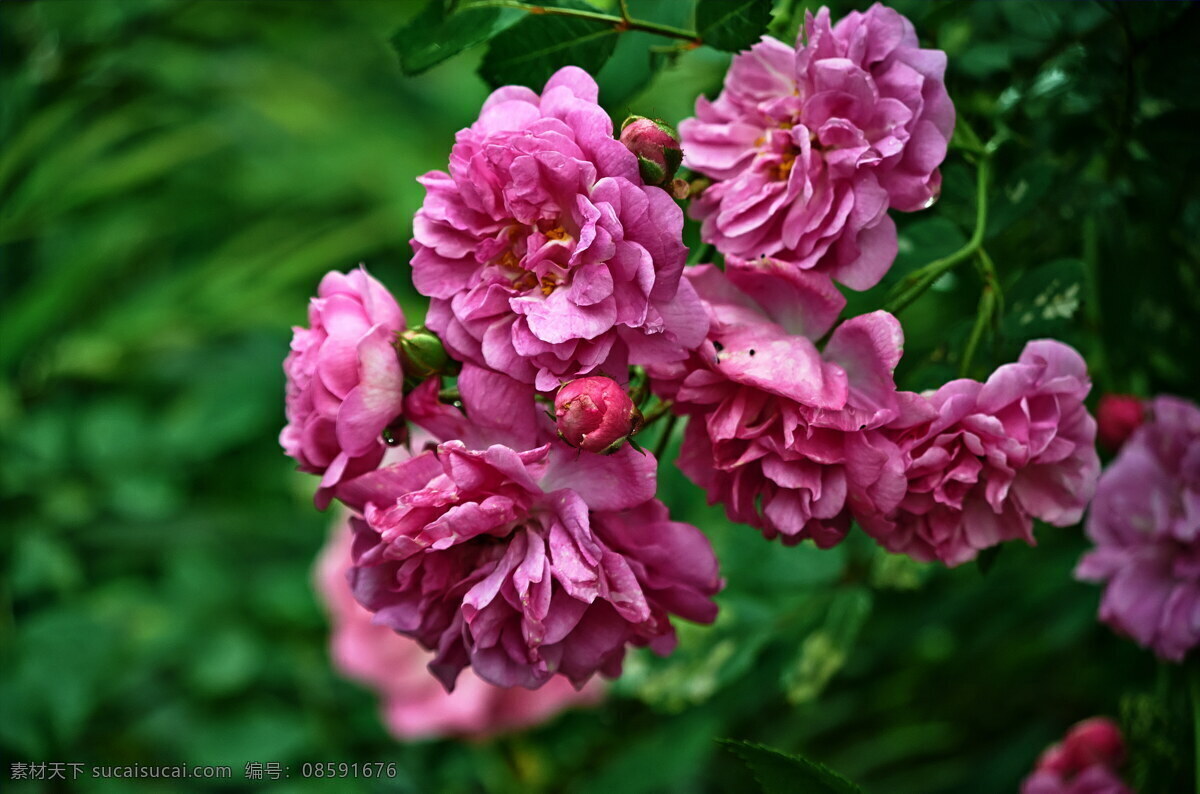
413,703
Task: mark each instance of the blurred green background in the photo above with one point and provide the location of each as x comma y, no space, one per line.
175,177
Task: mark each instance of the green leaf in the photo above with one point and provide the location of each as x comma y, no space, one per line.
781,773
541,44
825,650
1044,300
732,25
440,31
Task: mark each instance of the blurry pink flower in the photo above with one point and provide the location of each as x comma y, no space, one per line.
523,561
1084,763
993,457
1145,522
414,704
1093,780
810,146
595,413
776,429
344,380
1117,416
544,253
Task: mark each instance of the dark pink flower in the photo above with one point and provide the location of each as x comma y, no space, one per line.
1145,522
595,413
344,380
1084,763
777,429
991,457
808,147
544,253
1117,416
414,703
524,562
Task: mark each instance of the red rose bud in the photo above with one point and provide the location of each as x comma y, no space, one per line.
1117,416
1095,741
656,145
595,414
1056,759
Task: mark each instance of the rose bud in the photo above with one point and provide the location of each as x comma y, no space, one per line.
1095,741
422,354
656,145
1056,759
1117,416
595,414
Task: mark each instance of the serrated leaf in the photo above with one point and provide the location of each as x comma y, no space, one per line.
532,50
778,772
440,31
825,650
732,25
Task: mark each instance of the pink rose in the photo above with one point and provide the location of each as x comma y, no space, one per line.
777,429
544,253
414,704
344,380
991,457
1145,522
1084,763
808,147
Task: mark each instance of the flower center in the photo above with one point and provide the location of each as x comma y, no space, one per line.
537,255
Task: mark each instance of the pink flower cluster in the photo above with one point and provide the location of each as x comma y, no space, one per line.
798,441
1085,762
1145,522
808,147
517,533
414,704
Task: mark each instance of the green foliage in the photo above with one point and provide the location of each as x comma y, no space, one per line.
539,45
438,33
779,773
732,25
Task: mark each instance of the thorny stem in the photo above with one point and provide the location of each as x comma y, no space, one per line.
915,285
621,23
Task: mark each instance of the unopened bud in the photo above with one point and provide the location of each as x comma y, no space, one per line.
1117,416
595,414
656,145
422,355
1095,741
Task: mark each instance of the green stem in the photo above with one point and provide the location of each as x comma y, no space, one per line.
1195,687
664,439
989,307
987,303
915,285
704,255
656,413
621,23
